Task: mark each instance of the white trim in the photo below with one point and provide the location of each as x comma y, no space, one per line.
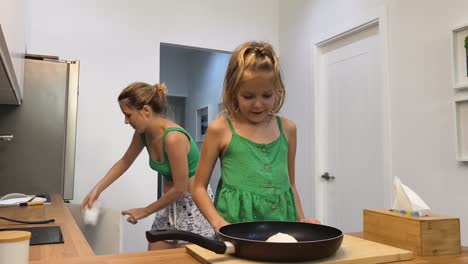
201,137
461,98
454,55
460,28
387,121
348,32
462,157
318,189
381,21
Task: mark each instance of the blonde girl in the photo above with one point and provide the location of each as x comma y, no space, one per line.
172,153
257,148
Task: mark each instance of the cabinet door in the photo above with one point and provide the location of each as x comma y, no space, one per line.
13,23
9,89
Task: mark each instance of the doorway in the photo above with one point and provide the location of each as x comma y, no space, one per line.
194,77
352,131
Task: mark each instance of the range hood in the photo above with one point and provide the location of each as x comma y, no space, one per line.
9,88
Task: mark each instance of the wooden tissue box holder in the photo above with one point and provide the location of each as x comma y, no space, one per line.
424,235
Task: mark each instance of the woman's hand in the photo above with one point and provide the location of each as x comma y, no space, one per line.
310,221
136,214
89,200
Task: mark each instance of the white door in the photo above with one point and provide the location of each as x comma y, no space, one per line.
350,124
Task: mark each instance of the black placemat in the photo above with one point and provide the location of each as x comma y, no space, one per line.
41,235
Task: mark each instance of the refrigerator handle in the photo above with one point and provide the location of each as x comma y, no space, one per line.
6,137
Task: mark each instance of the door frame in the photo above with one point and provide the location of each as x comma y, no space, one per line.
379,20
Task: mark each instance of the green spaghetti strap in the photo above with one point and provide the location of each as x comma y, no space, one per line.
164,138
230,125
280,124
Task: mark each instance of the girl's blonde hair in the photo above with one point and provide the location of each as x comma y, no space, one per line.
139,94
251,58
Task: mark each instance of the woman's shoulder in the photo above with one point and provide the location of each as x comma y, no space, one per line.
175,137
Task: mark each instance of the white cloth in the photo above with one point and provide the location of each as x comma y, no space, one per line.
17,198
91,215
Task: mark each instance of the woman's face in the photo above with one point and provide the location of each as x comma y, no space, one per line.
256,98
133,117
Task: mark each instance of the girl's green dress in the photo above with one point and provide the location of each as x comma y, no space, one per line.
254,184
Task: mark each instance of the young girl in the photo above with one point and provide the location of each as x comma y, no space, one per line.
257,148
172,152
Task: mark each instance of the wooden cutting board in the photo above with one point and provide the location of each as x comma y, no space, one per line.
352,250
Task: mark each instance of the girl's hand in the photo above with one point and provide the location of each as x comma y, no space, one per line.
219,225
89,200
136,214
310,221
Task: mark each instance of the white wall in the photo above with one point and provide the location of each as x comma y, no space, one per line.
117,42
198,75
206,90
206,85
421,94
174,69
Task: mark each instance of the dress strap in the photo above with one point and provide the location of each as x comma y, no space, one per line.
280,124
164,138
230,125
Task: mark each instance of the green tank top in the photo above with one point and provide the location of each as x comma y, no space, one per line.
254,184
164,167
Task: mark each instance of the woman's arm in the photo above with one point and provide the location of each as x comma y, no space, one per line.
115,172
211,150
291,135
177,147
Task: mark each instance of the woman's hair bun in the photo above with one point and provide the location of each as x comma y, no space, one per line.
161,88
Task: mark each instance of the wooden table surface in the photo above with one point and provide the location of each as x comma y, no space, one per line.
76,249
449,259
179,255
75,243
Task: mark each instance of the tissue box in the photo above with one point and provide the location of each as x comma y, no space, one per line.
425,235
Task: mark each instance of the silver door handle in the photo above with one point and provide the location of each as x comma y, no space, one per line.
327,176
6,137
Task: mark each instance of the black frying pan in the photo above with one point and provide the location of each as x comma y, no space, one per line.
247,240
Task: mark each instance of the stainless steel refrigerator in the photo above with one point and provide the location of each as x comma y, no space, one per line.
37,138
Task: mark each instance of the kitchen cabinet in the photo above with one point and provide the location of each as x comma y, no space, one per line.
9,87
13,35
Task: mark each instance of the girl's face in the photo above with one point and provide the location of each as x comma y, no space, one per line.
256,98
133,117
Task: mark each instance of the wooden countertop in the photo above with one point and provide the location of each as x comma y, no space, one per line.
75,243
448,259
168,256
76,250
179,255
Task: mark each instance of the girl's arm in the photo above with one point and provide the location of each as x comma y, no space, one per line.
291,134
210,152
115,172
177,147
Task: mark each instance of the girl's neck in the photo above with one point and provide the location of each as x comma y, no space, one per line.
244,121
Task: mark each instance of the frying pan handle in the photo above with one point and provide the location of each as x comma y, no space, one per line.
171,234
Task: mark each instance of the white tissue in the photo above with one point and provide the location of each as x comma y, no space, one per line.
406,199
91,215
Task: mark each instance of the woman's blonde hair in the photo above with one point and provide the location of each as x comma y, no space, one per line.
251,58
139,94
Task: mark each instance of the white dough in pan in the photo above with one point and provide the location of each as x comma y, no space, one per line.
281,238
